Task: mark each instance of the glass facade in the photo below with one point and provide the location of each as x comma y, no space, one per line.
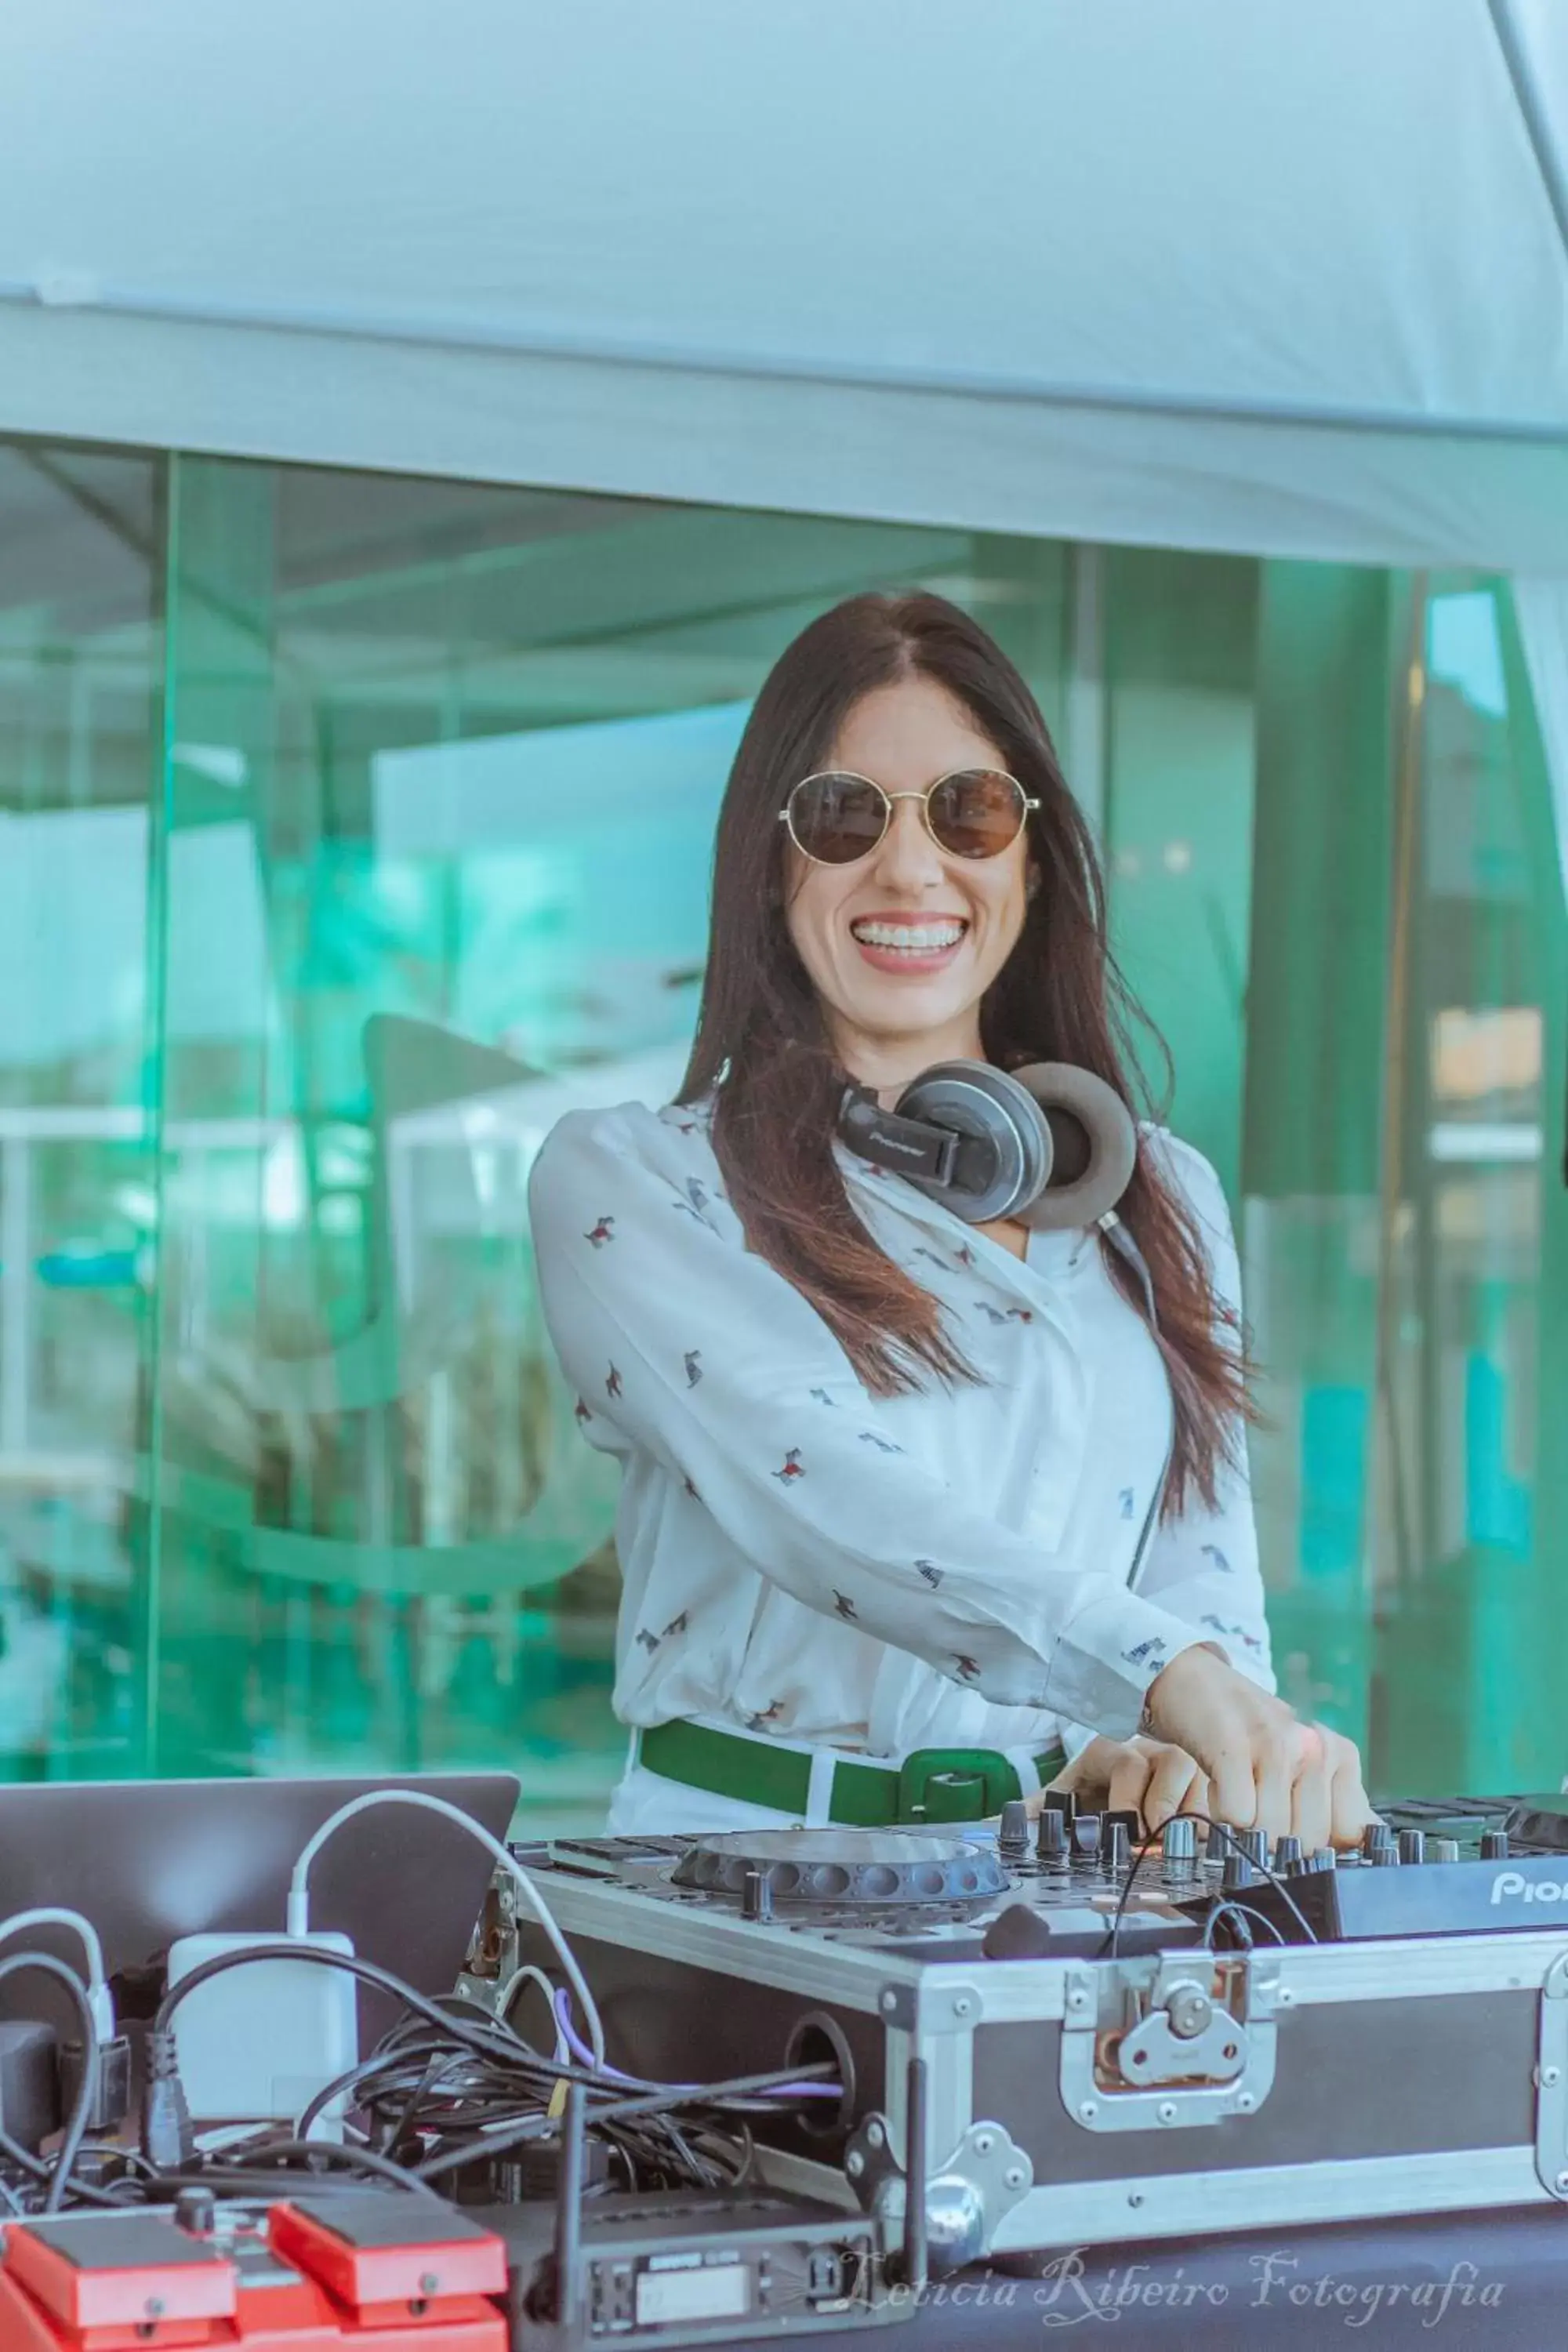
359,826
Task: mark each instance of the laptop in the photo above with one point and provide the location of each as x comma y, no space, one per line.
149,1860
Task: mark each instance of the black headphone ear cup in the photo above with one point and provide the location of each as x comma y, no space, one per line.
1113,1145
990,1107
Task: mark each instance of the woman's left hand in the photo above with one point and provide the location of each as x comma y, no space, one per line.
1146,1775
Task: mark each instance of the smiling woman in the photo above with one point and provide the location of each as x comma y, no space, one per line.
903,937
898,1480
930,892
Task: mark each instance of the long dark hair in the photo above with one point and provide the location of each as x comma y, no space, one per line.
762,1046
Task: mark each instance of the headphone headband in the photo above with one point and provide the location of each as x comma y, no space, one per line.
909,1147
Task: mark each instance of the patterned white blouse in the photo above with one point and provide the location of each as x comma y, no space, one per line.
946,1568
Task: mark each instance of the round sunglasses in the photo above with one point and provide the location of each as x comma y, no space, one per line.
836,817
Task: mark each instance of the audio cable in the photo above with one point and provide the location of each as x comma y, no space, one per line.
299,1907
1151,1844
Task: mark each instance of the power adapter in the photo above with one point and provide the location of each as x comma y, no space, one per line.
259,2040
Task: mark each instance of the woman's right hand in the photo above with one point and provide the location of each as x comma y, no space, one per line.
1267,1770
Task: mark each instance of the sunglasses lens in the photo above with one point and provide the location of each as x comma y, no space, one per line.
835,818
977,812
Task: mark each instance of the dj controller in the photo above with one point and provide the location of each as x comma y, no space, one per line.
1048,2034
1074,1885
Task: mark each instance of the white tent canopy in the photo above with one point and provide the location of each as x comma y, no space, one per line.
1246,274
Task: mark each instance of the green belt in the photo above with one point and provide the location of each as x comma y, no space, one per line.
932,1784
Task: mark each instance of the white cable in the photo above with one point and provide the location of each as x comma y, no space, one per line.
299,1911
100,1999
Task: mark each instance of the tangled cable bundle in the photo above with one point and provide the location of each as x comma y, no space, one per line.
451,2087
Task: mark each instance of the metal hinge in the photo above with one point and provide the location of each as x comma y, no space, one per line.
1551,2083
488,1973
1182,2039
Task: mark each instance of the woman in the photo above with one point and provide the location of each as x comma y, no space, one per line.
885,1471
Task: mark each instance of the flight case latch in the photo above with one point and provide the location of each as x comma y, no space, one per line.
1181,2038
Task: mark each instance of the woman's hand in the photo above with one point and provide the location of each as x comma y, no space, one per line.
1145,1775
1267,1770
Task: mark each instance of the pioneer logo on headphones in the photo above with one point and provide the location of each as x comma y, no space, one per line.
886,1142
1534,1890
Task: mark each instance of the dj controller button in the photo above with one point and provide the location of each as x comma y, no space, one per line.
1013,1836
1179,1839
1050,1836
1085,1836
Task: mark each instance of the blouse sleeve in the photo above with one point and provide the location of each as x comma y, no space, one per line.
701,1353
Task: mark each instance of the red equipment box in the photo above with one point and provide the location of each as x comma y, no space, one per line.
378,2272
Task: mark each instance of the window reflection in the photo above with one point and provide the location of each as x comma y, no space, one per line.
79,663
298,965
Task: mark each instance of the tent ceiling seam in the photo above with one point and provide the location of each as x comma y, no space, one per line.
524,343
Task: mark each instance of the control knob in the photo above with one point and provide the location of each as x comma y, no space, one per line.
1050,1836
1179,1841
1013,1836
1086,1838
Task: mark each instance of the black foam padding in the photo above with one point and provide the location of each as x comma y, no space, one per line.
29,2082
1541,1822
1020,1933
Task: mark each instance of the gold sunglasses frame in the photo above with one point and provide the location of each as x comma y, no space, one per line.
1026,809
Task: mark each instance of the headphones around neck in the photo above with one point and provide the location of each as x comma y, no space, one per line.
1050,1145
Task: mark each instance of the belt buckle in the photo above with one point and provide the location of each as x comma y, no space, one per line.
997,1777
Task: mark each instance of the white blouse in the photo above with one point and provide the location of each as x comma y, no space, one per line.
943,1567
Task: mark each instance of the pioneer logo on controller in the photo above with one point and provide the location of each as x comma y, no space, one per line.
1534,1890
